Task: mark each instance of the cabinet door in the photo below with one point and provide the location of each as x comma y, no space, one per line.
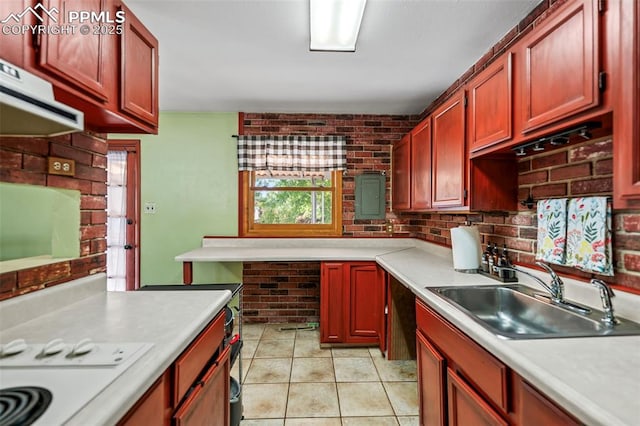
208,404
139,73
401,181
468,408
421,166
77,59
431,383
13,45
332,303
366,303
535,409
560,62
154,408
626,147
490,94
449,153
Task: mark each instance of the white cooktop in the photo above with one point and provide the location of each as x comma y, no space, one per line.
72,380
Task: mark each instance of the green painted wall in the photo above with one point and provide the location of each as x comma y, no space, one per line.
38,220
189,170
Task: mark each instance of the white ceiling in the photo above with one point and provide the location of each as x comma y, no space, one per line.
253,55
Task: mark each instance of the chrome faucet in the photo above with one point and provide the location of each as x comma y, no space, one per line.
606,293
555,288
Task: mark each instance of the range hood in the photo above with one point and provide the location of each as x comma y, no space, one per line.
28,108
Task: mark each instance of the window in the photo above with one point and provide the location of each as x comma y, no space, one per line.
291,204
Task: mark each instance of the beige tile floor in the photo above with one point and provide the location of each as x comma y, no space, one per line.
288,380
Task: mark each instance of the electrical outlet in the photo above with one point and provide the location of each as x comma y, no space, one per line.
61,166
150,208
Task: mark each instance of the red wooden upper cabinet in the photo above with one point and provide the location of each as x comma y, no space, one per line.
490,105
448,153
76,58
139,73
421,166
401,179
560,65
626,126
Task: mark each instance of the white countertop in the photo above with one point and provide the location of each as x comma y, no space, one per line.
169,320
595,379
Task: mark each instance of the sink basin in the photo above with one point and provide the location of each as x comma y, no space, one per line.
519,312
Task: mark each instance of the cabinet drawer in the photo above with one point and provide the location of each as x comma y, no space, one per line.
466,407
478,366
208,404
193,360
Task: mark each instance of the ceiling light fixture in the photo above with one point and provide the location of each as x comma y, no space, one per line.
334,24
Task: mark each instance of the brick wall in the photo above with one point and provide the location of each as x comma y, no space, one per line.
24,160
575,170
281,292
369,140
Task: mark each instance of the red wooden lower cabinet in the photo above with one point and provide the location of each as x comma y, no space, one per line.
460,383
194,390
208,404
154,408
432,382
352,301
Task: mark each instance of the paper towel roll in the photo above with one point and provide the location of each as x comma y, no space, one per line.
465,241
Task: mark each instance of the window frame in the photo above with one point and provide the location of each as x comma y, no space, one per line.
251,229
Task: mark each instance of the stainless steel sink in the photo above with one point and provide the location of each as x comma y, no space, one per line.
519,312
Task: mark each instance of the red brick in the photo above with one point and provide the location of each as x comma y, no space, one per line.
628,280
530,233
519,245
551,190
42,274
632,262
592,186
570,172
99,161
33,163
8,281
98,217
590,151
506,40
627,242
604,167
486,58
94,231
631,222
98,188
508,231
65,151
35,146
20,176
85,248
524,166
522,219
84,186
89,143
88,265
539,176
91,173
10,159
93,202
555,159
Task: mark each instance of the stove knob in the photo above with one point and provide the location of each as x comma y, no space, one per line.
53,347
13,347
83,347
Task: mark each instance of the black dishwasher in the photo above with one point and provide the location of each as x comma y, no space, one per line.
230,339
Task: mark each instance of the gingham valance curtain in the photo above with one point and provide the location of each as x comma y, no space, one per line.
292,153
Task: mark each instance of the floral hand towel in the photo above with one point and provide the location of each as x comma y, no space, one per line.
552,230
589,235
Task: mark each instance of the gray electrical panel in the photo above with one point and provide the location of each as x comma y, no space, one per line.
370,196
